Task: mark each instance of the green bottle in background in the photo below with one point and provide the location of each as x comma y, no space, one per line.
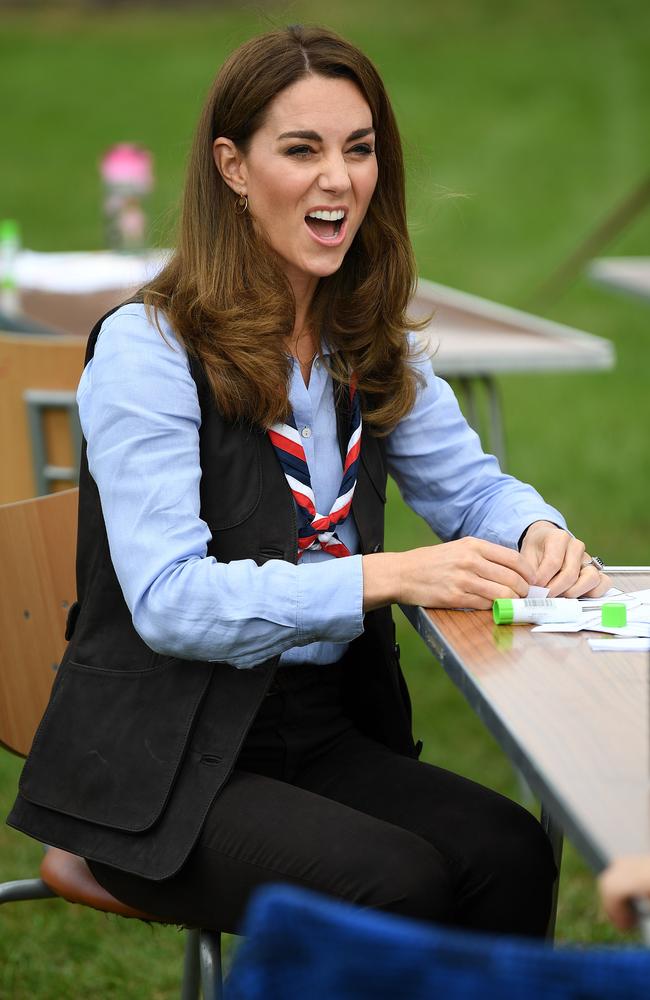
9,248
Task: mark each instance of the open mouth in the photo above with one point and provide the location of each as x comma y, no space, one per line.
326,225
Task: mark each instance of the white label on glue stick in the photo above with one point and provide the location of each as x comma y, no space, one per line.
538,611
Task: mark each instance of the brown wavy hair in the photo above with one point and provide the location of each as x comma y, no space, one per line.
224,291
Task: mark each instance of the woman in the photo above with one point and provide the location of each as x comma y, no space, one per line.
230,709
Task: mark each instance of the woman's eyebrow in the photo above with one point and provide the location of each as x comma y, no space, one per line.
315,137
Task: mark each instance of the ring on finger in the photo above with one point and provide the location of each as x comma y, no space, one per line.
594,561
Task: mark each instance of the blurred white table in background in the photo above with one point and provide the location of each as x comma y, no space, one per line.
624,274
473,340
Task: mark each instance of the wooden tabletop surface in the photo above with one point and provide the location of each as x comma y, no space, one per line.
577,723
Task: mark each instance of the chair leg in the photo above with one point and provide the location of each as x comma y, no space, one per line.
191,966
211,973
24,888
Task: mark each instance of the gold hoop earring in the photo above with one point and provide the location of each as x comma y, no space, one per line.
241,205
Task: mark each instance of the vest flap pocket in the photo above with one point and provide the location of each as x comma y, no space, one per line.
111,742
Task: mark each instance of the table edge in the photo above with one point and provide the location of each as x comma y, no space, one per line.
586,845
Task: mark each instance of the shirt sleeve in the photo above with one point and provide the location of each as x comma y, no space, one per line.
446,477
140,416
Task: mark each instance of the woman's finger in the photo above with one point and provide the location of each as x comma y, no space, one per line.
505,578
569,573
590,583
488,590
501,555
551,556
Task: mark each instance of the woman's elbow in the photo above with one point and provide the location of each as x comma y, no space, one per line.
167,633
160,630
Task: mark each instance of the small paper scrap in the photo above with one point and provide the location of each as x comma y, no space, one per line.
619,644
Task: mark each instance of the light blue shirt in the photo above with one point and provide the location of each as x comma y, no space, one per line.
141,417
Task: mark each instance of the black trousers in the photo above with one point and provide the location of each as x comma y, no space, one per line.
313,802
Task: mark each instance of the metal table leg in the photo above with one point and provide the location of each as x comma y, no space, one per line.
497,442
492,434
468,387
554,832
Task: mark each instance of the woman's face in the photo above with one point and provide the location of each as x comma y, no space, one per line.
309,174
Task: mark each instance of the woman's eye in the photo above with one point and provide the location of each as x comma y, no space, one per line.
363,149
300,151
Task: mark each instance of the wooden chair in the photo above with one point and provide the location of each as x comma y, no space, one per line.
40,435
37,586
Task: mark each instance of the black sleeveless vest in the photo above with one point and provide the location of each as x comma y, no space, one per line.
134,746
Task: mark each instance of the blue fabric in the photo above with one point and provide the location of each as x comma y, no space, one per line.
141,418
301,945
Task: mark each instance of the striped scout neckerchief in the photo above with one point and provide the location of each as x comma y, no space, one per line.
318,531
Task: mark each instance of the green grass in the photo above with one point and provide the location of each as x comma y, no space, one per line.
524,124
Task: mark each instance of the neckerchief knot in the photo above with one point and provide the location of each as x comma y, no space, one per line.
318,531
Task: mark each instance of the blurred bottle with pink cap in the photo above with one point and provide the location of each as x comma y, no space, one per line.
127,173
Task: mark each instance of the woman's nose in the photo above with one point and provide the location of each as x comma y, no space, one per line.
334,175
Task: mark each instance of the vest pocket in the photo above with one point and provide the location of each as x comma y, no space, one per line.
109,746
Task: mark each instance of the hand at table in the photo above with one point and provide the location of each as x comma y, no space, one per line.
624,879
559,561
468,573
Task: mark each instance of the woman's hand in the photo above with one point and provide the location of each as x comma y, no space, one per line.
560,562
468,573
620,883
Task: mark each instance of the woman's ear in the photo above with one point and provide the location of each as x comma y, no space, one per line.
230,164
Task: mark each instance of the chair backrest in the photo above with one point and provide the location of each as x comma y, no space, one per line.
298,944
33,370
37,586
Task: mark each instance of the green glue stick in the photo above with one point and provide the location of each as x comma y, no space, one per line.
536,610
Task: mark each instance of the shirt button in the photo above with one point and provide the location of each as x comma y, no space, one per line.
316,364
306,432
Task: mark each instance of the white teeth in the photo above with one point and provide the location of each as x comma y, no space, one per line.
335,216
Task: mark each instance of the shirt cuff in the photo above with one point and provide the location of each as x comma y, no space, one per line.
330,600
512,533
562,527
